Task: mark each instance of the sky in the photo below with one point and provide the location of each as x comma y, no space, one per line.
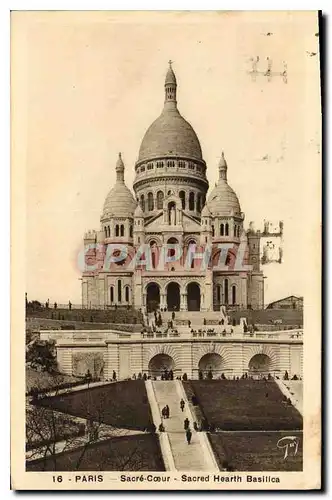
88,85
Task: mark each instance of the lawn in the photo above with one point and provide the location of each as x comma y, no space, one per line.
42,380
256,451
121,404
244,405
139,452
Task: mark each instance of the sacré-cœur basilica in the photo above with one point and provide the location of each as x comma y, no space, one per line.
175,248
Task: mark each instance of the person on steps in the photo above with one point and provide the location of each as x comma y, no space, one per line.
182,403
186,424
188,435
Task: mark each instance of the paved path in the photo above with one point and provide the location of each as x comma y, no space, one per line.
186,457
293,390
295,387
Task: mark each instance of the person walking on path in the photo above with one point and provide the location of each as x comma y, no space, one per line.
167,411
182,403
188,435
186,424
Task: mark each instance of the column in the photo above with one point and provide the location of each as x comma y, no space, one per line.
183,302
162,300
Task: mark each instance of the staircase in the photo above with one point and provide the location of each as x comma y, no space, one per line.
196,317
193,457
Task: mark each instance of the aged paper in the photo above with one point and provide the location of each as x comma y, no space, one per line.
166,246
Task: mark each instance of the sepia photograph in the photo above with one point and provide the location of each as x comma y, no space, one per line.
166,193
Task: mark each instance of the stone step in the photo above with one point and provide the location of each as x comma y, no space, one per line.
186,457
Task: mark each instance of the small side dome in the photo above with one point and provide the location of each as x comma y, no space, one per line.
223,199
120,201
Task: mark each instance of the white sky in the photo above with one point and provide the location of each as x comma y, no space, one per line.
93,84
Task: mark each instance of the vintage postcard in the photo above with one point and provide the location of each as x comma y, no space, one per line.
166,250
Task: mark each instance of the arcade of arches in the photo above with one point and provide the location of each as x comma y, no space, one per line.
173,297
211,363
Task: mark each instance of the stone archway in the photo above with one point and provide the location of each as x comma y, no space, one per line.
173,296
152,297
211,363
159,364
194,297
260,365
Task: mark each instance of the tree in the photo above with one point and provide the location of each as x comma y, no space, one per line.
41,354
50,433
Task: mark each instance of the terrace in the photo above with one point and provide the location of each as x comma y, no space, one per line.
227,334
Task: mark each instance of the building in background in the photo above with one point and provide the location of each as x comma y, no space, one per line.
291,302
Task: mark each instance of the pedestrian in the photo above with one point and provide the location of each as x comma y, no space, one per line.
69,305
167,411
163,413
186,424
173,315
188,435
182,403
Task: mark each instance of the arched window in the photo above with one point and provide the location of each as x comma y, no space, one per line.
192,201
153,246
212,231
171,251
122,230
221,229
105,228
226,291
119,291
127,293
182,196
150,201
130,231
198,203
238,231
235,230
112,294
160,200
117,230
109,231
233,294
142,202
226,229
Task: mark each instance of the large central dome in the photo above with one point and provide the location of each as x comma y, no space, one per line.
170,134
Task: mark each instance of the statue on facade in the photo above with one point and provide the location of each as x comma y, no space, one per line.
173,216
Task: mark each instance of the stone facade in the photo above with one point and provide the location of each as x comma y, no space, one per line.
103,352
171,207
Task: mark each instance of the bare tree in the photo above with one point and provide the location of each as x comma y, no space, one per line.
50,432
